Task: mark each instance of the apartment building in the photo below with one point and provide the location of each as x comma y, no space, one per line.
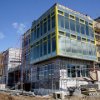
62,50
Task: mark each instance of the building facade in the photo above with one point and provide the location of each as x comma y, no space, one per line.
11,66
62,49
97,36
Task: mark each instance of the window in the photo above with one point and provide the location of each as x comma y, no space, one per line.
41,30
87,30
77,27
68,70
67,15
45,48
91,32
68,34
45,27
68,45
73,71
72,25
61,21
53,44
82,28
49,23
86,23
79,47
78,38
74,46
62,44
38,32
38,51
53,21
66,23
52,13
49,46
77,19
40,48
77,70
85,51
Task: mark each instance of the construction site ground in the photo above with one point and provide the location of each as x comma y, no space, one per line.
7,96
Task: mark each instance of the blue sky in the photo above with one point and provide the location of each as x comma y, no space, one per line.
16,16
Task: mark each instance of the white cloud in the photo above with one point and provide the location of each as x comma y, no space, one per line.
1,35
20,27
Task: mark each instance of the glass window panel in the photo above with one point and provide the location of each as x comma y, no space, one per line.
38,32
78,71
85,50
49,23
68,70
38,53
82,28
41,28
35,35
53,21
45,48
53,44
66,15
77,19
86,23
40,48
72,25
62,43
66,23
61,21
77,27
45,27
68,34
74,46
87,30
78,38
68,45
73,71
79,47
49,44
91,32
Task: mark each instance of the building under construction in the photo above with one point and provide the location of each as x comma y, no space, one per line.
1,67
58,51
11,66
97,36
26,70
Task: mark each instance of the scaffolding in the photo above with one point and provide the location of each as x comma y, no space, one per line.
25,70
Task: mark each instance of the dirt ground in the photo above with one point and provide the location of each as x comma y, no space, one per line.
5,96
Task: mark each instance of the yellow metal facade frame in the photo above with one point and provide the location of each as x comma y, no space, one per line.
56,30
